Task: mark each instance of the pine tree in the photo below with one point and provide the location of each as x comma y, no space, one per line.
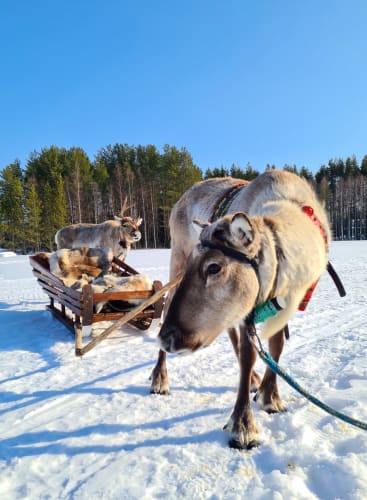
351,166
364,166
250,173
54,205
291,168
220,172
306,174
32,208
11,207
177,173
102,180
78,176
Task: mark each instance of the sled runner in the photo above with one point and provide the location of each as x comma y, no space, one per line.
77,309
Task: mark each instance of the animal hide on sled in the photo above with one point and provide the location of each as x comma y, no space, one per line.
80,266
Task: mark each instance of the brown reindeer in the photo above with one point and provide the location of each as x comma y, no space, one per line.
273,243
118,234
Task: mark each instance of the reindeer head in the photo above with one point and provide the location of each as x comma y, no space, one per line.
217,290
129,232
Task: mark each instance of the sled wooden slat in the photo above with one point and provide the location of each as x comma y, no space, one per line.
125,269
76,309
103,297
111,316
68,301
45,279
68,322
129,316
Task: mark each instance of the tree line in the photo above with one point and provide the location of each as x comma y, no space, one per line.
60,186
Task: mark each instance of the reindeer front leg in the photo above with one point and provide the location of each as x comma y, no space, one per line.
159,376
255,377
267,395
242,430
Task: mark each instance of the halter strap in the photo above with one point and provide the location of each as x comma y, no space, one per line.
233,254
240,257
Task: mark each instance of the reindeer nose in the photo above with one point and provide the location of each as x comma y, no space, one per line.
167,336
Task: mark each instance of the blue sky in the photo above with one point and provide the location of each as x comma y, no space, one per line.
234,81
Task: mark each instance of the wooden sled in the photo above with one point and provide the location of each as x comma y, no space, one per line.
76,309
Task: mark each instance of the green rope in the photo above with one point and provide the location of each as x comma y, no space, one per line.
273,365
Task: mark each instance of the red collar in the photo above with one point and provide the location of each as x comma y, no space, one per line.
310,212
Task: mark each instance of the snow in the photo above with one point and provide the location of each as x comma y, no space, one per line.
88,428
6,253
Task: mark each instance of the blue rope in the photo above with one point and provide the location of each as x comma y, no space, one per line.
273,365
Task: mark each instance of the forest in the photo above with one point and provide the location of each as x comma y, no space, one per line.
60,186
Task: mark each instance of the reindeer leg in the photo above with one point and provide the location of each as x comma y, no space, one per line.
159,376
177,265
243,432
267,395
255,377
233,335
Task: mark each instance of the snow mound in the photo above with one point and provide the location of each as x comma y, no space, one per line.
6,253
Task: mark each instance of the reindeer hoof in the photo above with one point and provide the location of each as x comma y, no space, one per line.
270,403
160,384
162,392
272,410
242,437
237,445
159,387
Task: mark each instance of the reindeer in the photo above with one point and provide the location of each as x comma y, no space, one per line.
273,242
118,234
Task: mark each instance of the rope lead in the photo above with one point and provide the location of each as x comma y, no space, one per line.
273,365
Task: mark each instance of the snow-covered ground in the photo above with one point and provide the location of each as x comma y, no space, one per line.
88,428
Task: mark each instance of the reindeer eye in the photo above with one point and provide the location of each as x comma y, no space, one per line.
213,269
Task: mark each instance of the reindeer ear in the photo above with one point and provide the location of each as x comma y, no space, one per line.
241,227
138,221
116,217
199,225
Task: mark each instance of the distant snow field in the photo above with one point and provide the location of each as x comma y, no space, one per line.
88,428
